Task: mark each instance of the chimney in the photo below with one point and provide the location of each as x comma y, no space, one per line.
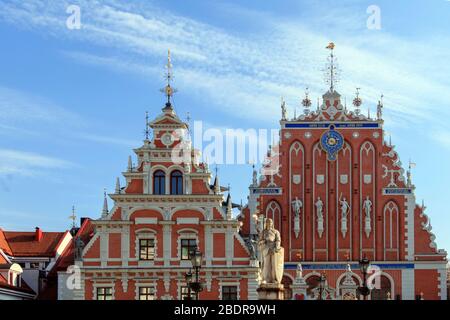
38,234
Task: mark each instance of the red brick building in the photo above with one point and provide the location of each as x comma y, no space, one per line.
140,248
337,192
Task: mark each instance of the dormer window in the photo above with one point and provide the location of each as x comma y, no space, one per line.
176,182
159,182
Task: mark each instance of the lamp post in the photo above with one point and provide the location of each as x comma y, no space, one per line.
364,264
188,277
196,260
322,282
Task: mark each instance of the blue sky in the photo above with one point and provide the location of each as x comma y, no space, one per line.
72,102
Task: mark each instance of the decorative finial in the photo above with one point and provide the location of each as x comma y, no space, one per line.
146,125
105,204
357,102
229,206
168,90
73,217
306,103
216,182
331,69
130,164
117,185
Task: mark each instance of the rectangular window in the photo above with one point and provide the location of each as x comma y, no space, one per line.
146,293
104,293
185,294
229,293
146,249
187,246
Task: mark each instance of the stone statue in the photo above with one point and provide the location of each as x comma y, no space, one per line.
319,212
299,273
271,254
283,110
367,205
297,206
79,245
344,208
319,208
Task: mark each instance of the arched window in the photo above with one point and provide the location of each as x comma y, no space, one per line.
176,182
384,292
159,182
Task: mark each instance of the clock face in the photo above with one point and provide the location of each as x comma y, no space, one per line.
167,139
331,142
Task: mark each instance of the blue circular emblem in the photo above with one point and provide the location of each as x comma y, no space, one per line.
331,142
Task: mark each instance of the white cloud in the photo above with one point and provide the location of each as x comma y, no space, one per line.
15,162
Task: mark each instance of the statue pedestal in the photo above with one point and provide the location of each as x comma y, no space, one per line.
271,291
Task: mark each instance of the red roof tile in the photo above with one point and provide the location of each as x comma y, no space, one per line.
4,244
23,288
24,244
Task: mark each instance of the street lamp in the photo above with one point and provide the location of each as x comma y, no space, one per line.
196,260
364,264
188,277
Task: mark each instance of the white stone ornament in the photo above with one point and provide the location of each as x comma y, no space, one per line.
167,139
375,135
345,207
355,134
320,178
296,179
343,179
287,135
367,178
308,134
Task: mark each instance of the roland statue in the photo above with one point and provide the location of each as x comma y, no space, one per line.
271,255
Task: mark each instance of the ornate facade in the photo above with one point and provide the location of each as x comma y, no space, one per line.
337,192
140,248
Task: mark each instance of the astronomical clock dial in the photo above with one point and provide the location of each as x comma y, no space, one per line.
331,142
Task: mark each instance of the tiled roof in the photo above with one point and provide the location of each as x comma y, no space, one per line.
4,244
23,288
24,244
85,232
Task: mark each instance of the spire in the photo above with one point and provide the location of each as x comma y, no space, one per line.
117,185
168,90
331,69
229,207
216,183
130,164
105,205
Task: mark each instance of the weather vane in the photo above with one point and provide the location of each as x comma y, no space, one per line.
73,217
146,125
168,90
331,69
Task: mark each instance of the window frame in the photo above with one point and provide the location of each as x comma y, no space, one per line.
105,295
159,176
148,239
189,246
227,295
150,292
176,178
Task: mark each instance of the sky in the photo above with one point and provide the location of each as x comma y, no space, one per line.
73,101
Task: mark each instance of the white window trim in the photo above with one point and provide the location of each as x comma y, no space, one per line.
145,285
230,283
186,234
145,234
97,285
